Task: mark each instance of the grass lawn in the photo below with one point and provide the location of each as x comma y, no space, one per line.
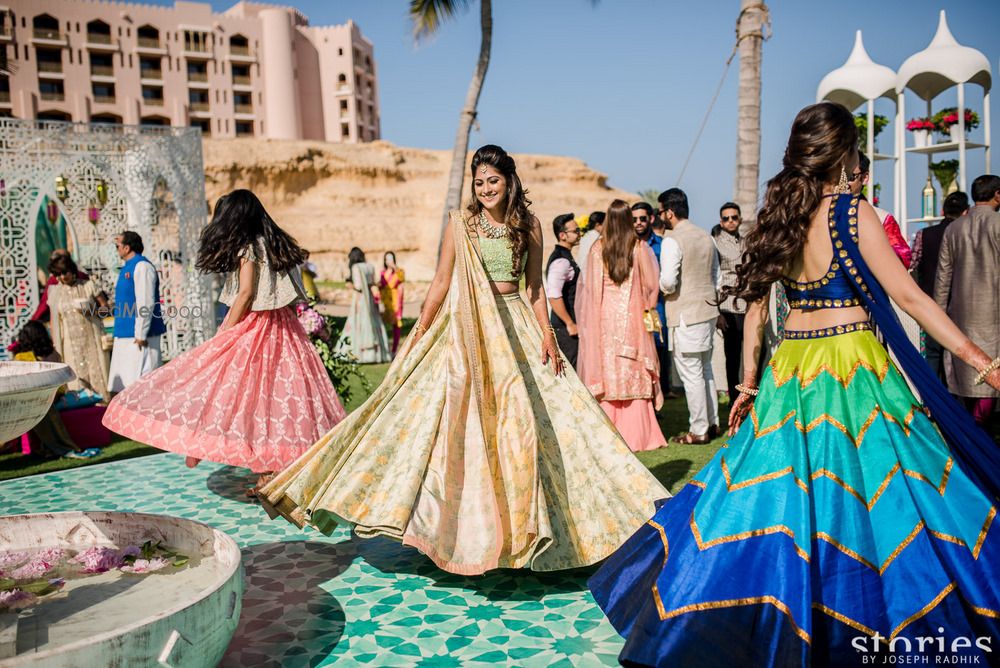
673,465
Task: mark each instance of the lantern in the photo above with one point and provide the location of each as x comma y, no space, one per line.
93,214
3,187
62,189
51,212
102,192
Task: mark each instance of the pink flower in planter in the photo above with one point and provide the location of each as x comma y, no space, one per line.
99,559
15,599
11,560
313,322
32,570
140,566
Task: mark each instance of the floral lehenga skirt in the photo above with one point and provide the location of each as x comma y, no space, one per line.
835,514
474,452
256,395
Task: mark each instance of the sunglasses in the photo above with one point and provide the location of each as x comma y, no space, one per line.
855,176
641,219
728,218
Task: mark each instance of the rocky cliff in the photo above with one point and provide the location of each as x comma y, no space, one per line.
379,196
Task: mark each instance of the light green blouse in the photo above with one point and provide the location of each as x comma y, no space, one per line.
498,260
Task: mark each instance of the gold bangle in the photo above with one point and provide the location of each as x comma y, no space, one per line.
752,391
987,370
419,327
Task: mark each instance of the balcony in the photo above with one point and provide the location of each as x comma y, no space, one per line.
52,96
237,50
151,75
198,77
150,45
153,101
242,80
197,51
102,71
243,108
97,41
48,37
201,107
5,97
7,30
50,70
104,99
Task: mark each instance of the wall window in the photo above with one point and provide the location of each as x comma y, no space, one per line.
99,32
239,45
102,64
103,92
196,41
152,95
149,67
244,128
148,36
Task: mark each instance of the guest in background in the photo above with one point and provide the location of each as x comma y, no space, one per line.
138,319
729,244
42,312
926,249
657,227
561,275
363,335
859,179
595,223
391,295
77,329
965,286
618,361
689,275
309,275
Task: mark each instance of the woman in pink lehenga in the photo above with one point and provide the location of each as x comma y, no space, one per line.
618,361
255,395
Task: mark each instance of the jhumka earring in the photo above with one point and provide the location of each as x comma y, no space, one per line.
843,187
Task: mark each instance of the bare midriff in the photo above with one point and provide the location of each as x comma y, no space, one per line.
504,287
801,319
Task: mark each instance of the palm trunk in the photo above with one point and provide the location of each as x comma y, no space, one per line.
749,30
456,177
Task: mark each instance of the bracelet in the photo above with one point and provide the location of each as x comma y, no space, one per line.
752,391
552,330
987,370
419,327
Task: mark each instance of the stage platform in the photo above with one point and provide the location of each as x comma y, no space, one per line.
312,600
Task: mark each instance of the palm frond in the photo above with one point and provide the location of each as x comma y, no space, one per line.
428,15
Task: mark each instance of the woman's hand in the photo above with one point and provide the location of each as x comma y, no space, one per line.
738,413
993,379
550,351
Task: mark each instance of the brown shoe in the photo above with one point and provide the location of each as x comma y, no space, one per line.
713,432
687,438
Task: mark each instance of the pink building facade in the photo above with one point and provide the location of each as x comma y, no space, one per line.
253,70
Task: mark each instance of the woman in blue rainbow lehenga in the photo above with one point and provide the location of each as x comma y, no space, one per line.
847,519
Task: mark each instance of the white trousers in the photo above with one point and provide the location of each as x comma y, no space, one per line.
695,371
129,362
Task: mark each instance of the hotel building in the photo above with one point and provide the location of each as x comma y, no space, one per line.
253,70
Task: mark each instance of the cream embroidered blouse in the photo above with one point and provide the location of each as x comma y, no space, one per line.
274,289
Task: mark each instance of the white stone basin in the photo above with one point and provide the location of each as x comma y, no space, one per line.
26,392
175,617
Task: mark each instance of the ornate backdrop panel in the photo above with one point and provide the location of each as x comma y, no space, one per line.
100,180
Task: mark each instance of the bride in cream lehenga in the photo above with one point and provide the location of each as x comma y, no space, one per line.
477,448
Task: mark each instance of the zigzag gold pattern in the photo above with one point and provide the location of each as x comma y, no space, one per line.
822,535
805,381
735,602
759,479
843,619
982,533
826,417
732,538
922,611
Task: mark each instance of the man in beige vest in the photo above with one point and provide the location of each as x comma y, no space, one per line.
967,286
689,275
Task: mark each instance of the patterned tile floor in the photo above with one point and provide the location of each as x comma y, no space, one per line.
312,600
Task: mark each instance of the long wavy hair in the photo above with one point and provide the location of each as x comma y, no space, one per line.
823,141
517,217
239,221
618,241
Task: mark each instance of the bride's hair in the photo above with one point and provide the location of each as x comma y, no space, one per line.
518,217
823,141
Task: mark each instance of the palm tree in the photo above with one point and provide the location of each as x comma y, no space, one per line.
427,16
750,35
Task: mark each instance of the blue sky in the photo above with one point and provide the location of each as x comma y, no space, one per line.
624,84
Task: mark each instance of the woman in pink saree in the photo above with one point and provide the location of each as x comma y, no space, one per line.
618,361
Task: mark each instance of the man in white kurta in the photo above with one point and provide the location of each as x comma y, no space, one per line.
138,323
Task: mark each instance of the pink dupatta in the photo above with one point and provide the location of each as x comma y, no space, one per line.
638,343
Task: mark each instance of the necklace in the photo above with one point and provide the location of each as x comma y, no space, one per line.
491,231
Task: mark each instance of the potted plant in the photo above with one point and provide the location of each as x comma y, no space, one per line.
945,172
946,122
861,122
921,129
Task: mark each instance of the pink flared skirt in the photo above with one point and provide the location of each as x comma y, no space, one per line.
256,396
635,420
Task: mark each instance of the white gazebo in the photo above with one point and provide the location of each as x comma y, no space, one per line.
942,65
862,81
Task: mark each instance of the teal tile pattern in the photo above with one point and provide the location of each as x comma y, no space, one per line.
313,600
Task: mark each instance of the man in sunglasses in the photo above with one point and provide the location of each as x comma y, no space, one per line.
858,180
646,225
731,310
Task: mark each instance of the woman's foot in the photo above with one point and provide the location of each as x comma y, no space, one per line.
191,462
